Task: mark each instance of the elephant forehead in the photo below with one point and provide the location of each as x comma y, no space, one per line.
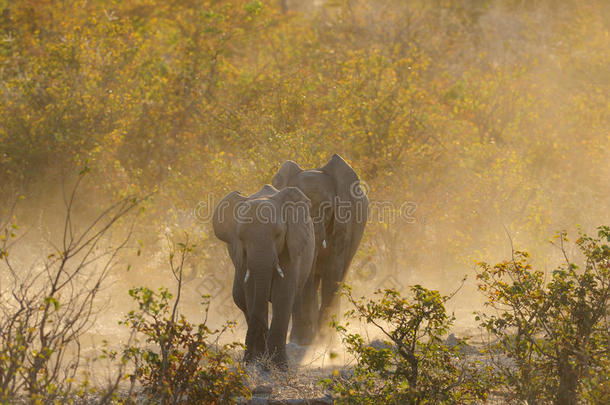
317,185
258,204
251,209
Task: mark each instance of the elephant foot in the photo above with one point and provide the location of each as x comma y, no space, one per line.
248,357
302,339
302,335
260,363
279,359
281,365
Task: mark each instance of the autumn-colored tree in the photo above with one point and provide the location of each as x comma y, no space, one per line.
485,114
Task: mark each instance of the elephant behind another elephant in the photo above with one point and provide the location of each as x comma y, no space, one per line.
340,212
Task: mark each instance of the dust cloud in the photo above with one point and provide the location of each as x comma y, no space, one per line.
505,143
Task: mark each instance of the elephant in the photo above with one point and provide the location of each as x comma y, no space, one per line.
270,240
339,210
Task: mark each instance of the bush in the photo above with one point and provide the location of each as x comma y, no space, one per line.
46,308
184,366
415,366
555,333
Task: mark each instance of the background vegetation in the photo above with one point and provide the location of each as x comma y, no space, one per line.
485,114
487,117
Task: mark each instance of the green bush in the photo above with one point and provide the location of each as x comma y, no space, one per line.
185,364
416,366
553,335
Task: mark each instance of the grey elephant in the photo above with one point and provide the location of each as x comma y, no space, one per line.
270,239
339,209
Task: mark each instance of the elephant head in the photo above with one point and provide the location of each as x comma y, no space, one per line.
349,203
270,240
351,209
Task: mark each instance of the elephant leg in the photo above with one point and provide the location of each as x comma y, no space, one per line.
331,278
258,319
316,297
305,314
239,297
256,337
282,299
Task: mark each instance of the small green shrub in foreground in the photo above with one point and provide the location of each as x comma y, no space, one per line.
185,364
415,366
552,330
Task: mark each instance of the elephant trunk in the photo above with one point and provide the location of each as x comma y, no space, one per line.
261,264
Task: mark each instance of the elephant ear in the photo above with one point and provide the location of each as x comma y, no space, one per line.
287,171
294,208
225,226
351,209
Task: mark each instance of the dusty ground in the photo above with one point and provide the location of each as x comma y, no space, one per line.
308,365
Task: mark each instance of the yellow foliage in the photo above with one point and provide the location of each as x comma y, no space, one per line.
477,111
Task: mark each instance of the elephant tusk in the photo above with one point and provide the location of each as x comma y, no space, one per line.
279,270
247,276
324,243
